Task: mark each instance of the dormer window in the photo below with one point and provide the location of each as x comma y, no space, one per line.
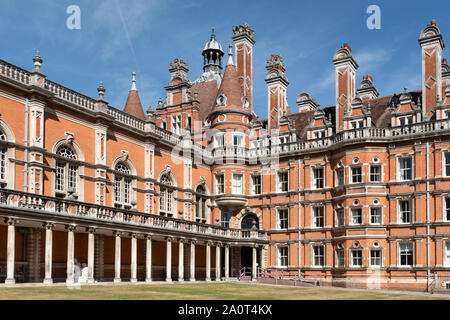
245,102
318,134
357,124
176,124
405,120
221,100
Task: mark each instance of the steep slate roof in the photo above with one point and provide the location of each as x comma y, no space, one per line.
231,87
207,93
133,105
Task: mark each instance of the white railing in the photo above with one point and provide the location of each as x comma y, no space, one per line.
12,199
13,72
70,95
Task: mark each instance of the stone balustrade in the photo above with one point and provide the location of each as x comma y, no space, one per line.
12,199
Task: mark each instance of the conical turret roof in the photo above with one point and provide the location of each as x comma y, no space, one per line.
133,105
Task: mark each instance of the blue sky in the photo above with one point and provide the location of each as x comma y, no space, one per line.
119,37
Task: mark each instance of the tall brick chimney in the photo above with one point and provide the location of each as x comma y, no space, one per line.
244,39
277,83
346,67
431,42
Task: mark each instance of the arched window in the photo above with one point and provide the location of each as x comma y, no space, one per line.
200,205
250,221
66,171
2,159
122,186
166,196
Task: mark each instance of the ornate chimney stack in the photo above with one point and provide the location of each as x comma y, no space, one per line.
346,67
244,39
277,84
431,42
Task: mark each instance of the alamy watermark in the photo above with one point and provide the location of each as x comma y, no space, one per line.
74,19
374,20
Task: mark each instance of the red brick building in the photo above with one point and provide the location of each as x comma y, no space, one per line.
199,188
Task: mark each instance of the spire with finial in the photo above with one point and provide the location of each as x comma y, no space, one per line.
230,55
133,105
213,36
133,82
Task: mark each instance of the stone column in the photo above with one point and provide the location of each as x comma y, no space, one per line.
10,250
117,259
254,276
192,261
218,266
133,257
70,254
148,258
181,261
169,260
208,261
91,246
49,227
227,262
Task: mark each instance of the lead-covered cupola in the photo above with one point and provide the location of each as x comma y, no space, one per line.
212,55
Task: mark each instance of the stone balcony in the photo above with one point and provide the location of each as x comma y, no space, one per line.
231,201
37,207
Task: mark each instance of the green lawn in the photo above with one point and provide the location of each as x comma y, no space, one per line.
202,291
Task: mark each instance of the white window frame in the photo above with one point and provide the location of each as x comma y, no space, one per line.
242,141
283,256
356,124
316,218
219,137
411,211
316,179
446,207
380,258
235,187
400,244
352,210
407,120
281,183
380,175
401,172
380,215
176,124
445,165
447,253
360,167
283,218
352,258
320,257
222,184
253,176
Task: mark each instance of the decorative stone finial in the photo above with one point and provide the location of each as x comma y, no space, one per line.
133,82
230,55
101,91
37,60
